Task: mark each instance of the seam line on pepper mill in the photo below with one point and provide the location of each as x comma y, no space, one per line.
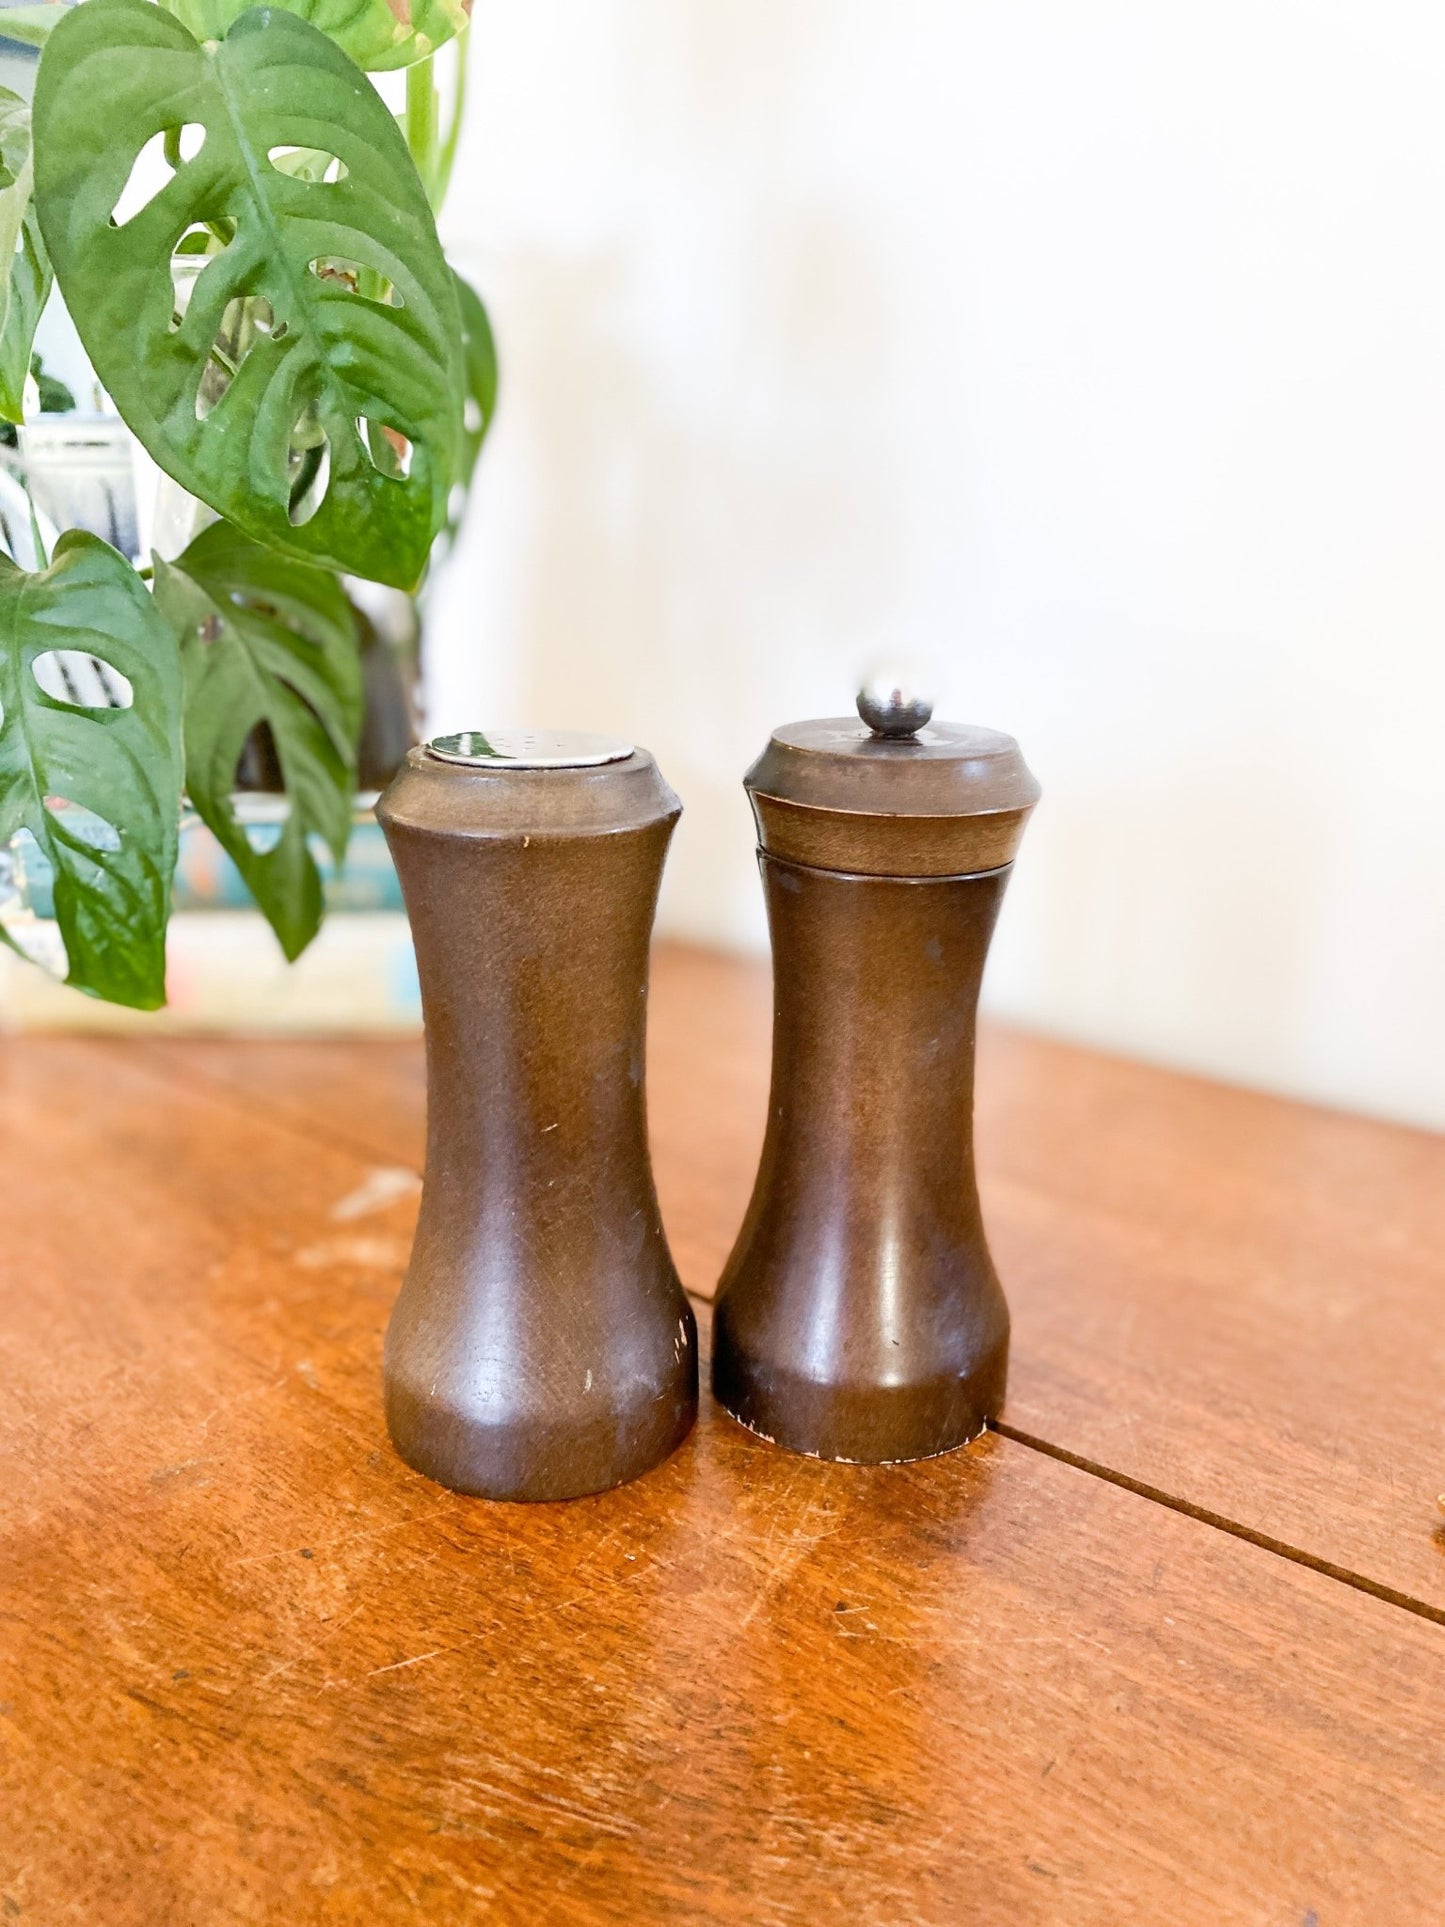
882,876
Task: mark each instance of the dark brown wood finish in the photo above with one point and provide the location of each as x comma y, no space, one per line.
948,800
254,1669
859,1316
1202,1278
542,1346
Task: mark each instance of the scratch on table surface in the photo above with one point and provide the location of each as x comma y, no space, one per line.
376,1252
529,1796
311,1651
348,1540
416,1660
384,1184
186,1472
778,1570
243,1398
395,1665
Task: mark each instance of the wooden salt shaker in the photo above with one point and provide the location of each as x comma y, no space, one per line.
860,1316
541,1347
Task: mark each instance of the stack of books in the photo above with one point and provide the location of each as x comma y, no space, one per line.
224,969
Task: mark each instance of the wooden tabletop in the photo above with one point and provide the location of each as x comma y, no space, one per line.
1168,1646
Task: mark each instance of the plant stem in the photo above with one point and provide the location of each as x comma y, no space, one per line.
421,120
454,124
42,559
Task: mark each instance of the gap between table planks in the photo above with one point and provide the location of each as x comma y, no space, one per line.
1235,1302
252,1663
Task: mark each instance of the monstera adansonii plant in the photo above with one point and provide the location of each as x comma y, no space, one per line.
244,235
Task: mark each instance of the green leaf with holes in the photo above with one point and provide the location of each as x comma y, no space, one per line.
479,353
356,334
23,260
268,640
98,789
378,34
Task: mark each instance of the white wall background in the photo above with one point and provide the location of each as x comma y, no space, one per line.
1091,352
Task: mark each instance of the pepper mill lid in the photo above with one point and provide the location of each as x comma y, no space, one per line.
894,794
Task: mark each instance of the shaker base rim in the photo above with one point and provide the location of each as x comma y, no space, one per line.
859,1425
531,1466
837,1458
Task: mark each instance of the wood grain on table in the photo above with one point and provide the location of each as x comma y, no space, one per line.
251,1668
1236,1301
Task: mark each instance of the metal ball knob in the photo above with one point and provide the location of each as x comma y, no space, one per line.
891,705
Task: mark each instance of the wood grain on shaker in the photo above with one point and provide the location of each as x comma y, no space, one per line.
254,1669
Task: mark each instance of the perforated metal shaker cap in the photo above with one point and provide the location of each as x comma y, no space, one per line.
528,749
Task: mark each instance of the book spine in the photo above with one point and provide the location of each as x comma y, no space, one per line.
207,878
226,974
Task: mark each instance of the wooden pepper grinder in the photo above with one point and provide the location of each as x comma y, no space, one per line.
541,1347
860,1316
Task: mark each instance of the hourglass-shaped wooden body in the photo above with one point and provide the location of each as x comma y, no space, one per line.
541,1347
860,1316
